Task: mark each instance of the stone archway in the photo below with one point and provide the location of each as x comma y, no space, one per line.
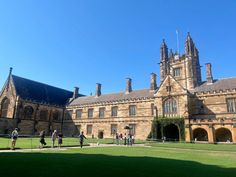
171,132
223,135
200,134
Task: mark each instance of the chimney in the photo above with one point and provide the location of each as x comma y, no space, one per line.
153,82
76,92
128,85
98,89
209,76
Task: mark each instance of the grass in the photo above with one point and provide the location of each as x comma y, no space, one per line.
210,147
120,161
32,143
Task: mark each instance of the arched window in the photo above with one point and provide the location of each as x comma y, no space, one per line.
28,112
170,106
4,107
43,114
55,115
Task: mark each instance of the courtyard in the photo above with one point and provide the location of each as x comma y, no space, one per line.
144,159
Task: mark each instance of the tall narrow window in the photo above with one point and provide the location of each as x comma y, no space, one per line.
132,130
90,113
101,112
132,110
89,129
68,115
28,112
114,111
170,106
231,105
43,114
113,129
56,115
152,109
4,106
177,72
79,114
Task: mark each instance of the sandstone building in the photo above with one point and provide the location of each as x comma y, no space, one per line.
182,107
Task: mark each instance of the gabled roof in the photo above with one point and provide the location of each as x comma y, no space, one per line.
217,85
137,94
39,92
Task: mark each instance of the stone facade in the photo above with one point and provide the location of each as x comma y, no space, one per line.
183,106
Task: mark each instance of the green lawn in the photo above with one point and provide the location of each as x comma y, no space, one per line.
120,161
212,147
28,143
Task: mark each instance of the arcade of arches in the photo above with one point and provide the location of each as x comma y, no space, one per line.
221,134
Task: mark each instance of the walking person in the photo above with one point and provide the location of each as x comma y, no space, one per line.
42,139
60,136
81,139
14,136
54,137
132,139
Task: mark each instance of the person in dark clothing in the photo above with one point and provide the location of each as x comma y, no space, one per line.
81,139
42,139
125,139
117,139
60,136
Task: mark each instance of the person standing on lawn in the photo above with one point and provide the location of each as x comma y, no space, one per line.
60,135
42,139
14,136
54,137
81,139
125,139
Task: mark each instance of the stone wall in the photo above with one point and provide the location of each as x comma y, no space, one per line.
142,119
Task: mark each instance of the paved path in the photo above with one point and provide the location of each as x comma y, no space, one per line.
91,145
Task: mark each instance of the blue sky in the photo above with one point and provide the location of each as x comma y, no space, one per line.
82,42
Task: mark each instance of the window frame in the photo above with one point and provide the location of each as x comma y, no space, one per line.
81,112
231,105
87,129
116,111
90,113
175,73
170,106
102,111
132,110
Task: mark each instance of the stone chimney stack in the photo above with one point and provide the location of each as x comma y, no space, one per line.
98,89
76,92
153,82
128,85
209,76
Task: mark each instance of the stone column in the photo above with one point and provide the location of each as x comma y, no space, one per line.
234,133
211,136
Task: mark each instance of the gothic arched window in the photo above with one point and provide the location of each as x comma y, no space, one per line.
4,107
43,114
170,106
28,112
56,115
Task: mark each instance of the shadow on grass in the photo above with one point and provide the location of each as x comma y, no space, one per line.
98,165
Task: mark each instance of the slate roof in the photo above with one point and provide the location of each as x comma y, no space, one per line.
39,92
137,94
217,85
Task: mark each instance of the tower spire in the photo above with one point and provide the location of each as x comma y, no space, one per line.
9,77
189,45
164,51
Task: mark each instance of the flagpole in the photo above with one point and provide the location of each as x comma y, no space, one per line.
177,40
